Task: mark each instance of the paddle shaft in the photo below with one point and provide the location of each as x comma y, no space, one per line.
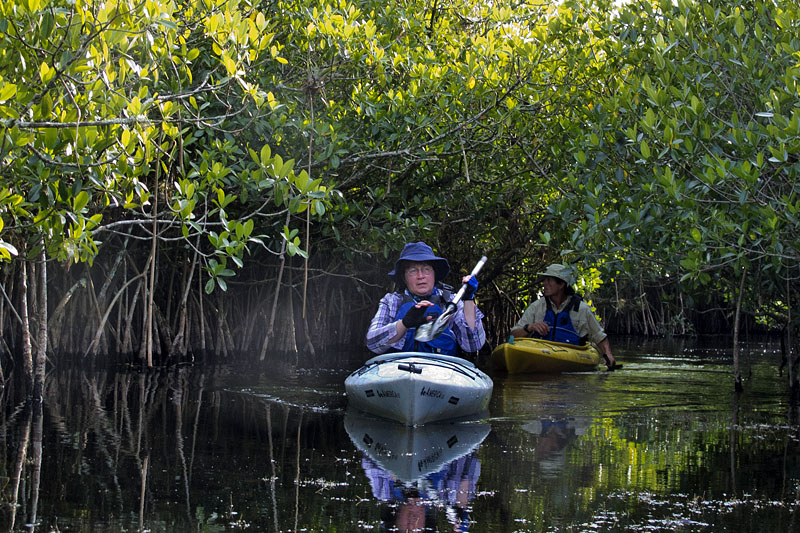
431,330
463,289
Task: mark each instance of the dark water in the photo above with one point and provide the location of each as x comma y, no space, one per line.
662,445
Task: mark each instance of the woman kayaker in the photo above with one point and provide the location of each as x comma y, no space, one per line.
561,315
419,299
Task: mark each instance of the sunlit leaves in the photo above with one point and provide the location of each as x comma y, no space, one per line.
46,73
292,242
704,102
7,91
103,94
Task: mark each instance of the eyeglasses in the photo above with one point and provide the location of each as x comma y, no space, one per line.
424,270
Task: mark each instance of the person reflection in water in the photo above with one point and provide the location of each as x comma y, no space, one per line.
411,513
416,504
552,438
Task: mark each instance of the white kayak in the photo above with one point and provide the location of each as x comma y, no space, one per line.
411,453
415,387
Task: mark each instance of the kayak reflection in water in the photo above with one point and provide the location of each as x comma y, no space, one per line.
419,470
416,503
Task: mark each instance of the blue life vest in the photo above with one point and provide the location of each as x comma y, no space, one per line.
445,343
561,328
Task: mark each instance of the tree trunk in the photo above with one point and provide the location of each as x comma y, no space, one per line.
790,351
41,351
178,343
737,374
95,304
282,258
148,332
145,310
57,318
27,352
200,311
292,327
95,343
153,262
127,341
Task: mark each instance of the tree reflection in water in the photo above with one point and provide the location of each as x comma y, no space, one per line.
660,446
25,472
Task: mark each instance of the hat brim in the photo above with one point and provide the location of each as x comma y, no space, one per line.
552,275
440,268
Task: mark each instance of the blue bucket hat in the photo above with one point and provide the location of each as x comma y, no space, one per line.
420,252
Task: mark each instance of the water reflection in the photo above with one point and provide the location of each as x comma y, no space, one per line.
418,471
661,446
552,437
27,468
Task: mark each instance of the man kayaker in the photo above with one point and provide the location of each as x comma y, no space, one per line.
419,299
561,315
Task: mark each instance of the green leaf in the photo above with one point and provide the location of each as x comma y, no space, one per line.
80,201
7,91
738,27
266,155
645,149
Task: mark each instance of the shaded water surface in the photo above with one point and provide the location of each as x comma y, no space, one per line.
662,445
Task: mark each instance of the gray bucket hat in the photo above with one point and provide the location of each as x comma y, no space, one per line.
562,272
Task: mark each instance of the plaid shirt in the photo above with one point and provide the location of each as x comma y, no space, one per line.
382,328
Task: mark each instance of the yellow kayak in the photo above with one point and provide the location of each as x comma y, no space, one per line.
538,355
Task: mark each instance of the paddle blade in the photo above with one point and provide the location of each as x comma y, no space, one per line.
430,330
615,366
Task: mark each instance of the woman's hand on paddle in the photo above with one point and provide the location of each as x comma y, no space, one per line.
472,286
416,315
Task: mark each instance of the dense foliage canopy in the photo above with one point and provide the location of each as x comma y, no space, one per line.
653,144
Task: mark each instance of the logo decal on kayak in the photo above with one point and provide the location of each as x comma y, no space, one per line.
453,400
388,394
433,393
382,450
430,459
